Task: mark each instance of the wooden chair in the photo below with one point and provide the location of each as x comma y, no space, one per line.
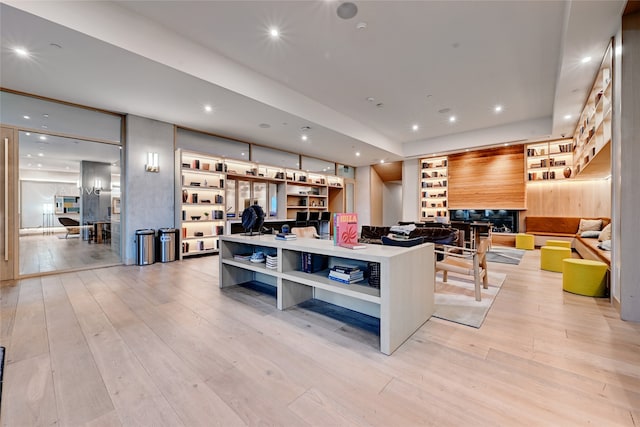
469,262
305,232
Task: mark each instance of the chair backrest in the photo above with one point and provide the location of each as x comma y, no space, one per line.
314,216
68,222
305,232
301,215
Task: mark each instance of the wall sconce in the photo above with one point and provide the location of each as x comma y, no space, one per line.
153,164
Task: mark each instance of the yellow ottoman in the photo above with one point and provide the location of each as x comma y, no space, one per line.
525,241
561,243
551,257
584,277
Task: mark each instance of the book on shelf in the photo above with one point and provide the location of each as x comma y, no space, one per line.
242,257
345,229
352,245
346,274
286,236
312,263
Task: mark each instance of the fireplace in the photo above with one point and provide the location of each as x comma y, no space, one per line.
503,220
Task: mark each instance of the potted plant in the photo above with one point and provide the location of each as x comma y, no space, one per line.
206,215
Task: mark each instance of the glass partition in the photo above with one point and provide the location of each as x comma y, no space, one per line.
209,144
69,203
346,171
311,164
271,156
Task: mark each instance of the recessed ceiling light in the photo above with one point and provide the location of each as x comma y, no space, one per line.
371,99
506,144
466,149
28,155
382,161
26,117
208,108
242,154
415,127
586,59
21,51
44,127
43,138
40,154
452,119
28,133
347,10
567,117
361,25
497,108
357,153
39,165
46,116
274,32
304,137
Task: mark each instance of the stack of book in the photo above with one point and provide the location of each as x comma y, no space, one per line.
285,236
272,262
346,274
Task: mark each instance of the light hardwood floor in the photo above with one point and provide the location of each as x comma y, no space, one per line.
52,252
163,345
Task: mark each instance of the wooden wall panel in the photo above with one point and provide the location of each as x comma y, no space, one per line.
376,198
574,198
488,179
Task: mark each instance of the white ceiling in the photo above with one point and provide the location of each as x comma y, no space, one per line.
167,59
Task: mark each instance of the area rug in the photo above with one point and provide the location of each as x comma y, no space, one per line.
505,255
455,300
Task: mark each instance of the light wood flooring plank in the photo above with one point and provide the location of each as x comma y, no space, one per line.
134,394
9,293
81,395
29,337
229,357
28,396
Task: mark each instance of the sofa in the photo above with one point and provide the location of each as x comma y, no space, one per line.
566,228
439,235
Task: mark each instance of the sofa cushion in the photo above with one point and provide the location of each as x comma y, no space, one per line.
590,234
605,234
589,225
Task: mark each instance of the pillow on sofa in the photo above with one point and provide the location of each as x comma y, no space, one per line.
589,225
590,234
605,234
605,245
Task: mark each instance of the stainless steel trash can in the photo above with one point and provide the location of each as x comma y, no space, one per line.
167,238
145,239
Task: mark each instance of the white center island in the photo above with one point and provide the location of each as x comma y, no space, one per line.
403,302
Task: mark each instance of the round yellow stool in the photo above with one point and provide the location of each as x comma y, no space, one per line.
525,241
551,257
584,277
561,243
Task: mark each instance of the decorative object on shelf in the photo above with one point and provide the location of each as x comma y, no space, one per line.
206,215
567,172
195,217
252,218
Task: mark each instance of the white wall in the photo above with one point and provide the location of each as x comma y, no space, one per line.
629,188
391,202
34,194
149,197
